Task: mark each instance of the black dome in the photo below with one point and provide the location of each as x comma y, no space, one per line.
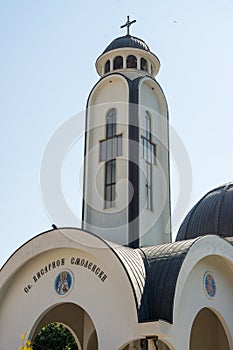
213,214
127,41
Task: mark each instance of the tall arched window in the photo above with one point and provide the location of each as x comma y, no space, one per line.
107,67
144,65
118,62
131,61
149,156
111,123
110,149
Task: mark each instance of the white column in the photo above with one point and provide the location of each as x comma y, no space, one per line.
124,62
149,67
151,344
111,64
138,62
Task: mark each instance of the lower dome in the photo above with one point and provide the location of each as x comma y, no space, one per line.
213,214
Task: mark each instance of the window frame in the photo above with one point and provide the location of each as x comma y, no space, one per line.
118,62
110,184
143,64
149,155
107,67
129,61
110,149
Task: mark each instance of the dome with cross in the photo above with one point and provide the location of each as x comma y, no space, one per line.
127,40
128,53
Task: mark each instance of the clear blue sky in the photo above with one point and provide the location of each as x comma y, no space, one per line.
47,68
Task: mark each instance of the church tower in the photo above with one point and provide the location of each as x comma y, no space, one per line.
126,196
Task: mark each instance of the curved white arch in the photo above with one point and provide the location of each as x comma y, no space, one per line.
222,327
109,298
208,253
202,248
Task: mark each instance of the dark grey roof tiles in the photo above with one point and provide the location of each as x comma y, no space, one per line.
127,41
133,264
163,264
153,273
213,214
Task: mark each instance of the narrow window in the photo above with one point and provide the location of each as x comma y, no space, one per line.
110,183
131,61
144,65
110,165
118,62
110,149
148,186
107,67
149,156
111,123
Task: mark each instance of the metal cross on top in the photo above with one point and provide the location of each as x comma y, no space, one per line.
128,24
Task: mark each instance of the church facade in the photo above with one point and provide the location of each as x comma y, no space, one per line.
119,282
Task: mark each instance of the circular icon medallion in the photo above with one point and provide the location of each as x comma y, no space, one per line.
63,282
210,285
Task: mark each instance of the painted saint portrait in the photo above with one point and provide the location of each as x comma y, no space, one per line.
63,282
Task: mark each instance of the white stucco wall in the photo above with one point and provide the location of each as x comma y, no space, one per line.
208,254
111,224
108,300
155,224
107,297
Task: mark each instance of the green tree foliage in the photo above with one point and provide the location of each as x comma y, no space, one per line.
54,337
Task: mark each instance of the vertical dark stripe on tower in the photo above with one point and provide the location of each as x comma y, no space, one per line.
133,165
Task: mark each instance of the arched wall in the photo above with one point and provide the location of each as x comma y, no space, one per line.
207,254
70,315
107,298
100,287
208,332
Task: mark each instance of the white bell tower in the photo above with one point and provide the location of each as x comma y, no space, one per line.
126,196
